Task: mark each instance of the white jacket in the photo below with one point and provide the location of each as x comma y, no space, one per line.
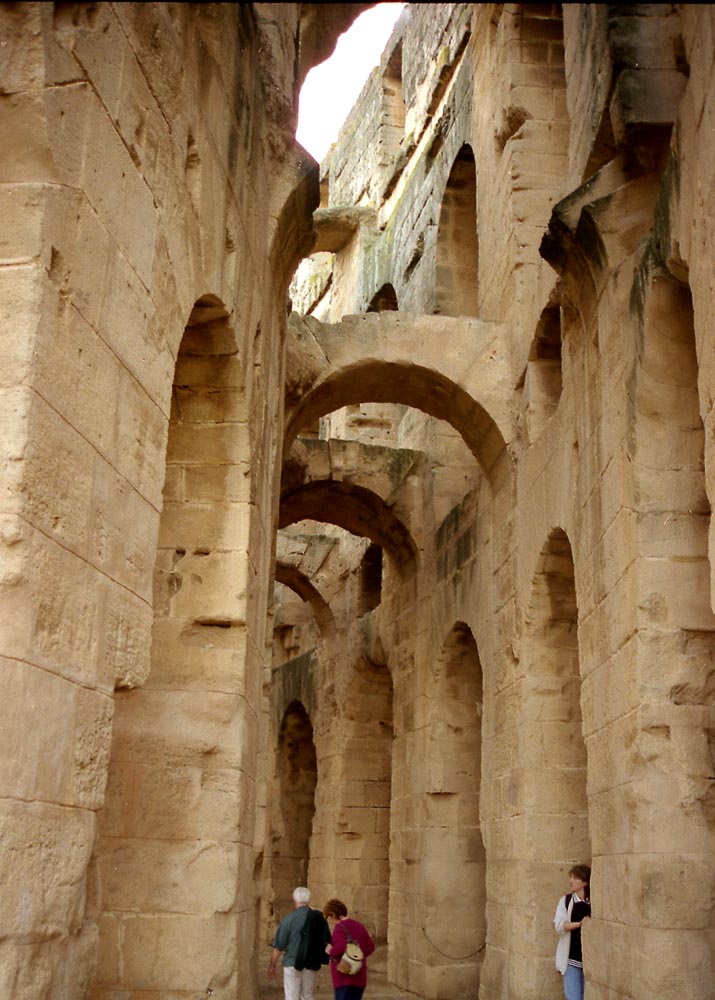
562,915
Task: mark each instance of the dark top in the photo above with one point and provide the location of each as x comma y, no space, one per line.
581,909
287,936
314,937
303,935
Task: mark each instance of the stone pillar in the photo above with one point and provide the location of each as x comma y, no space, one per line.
171,844
437,858
80,488
453,868
351,834
649,703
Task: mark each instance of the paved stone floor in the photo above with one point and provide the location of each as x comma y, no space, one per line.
377,989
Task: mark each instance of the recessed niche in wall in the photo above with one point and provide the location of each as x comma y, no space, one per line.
457,243
542,379
384,300
296,775
370,581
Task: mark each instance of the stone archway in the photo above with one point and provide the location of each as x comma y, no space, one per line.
370,593
172,830
551,825
354,508
453,369
301,585
384,300
418,363
668,444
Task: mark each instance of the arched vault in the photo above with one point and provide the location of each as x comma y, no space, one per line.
375,468
354,508
453,368
299,583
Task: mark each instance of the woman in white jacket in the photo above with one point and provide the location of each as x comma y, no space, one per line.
573,909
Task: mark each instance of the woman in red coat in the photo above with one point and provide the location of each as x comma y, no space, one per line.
347,986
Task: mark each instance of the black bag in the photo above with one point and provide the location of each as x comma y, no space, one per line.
314,936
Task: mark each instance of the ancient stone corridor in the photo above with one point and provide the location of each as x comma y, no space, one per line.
355,524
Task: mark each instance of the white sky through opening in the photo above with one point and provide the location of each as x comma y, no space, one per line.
331,88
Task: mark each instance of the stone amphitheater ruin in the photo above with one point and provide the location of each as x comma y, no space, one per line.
355,520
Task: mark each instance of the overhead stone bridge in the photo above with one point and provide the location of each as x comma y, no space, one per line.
300,566
354,486
453,368
297,581
312,566
355,509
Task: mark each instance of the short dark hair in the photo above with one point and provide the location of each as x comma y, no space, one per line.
335,908
583,872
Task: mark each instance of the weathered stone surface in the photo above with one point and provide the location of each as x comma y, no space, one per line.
435,737
334,227
46,847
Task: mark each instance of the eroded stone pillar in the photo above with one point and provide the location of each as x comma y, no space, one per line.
351,832
78,493
172,840
535,809
438,862
651,701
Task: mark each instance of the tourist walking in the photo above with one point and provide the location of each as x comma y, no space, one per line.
349,973
573,909
302,938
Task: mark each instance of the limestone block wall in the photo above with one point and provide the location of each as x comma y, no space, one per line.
523,678
582,574
492,131
431,637
178,775
589,64
491,79
689,229
349,851
431,48
136,186
376,128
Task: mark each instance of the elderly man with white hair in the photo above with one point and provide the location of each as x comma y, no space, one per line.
301,939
